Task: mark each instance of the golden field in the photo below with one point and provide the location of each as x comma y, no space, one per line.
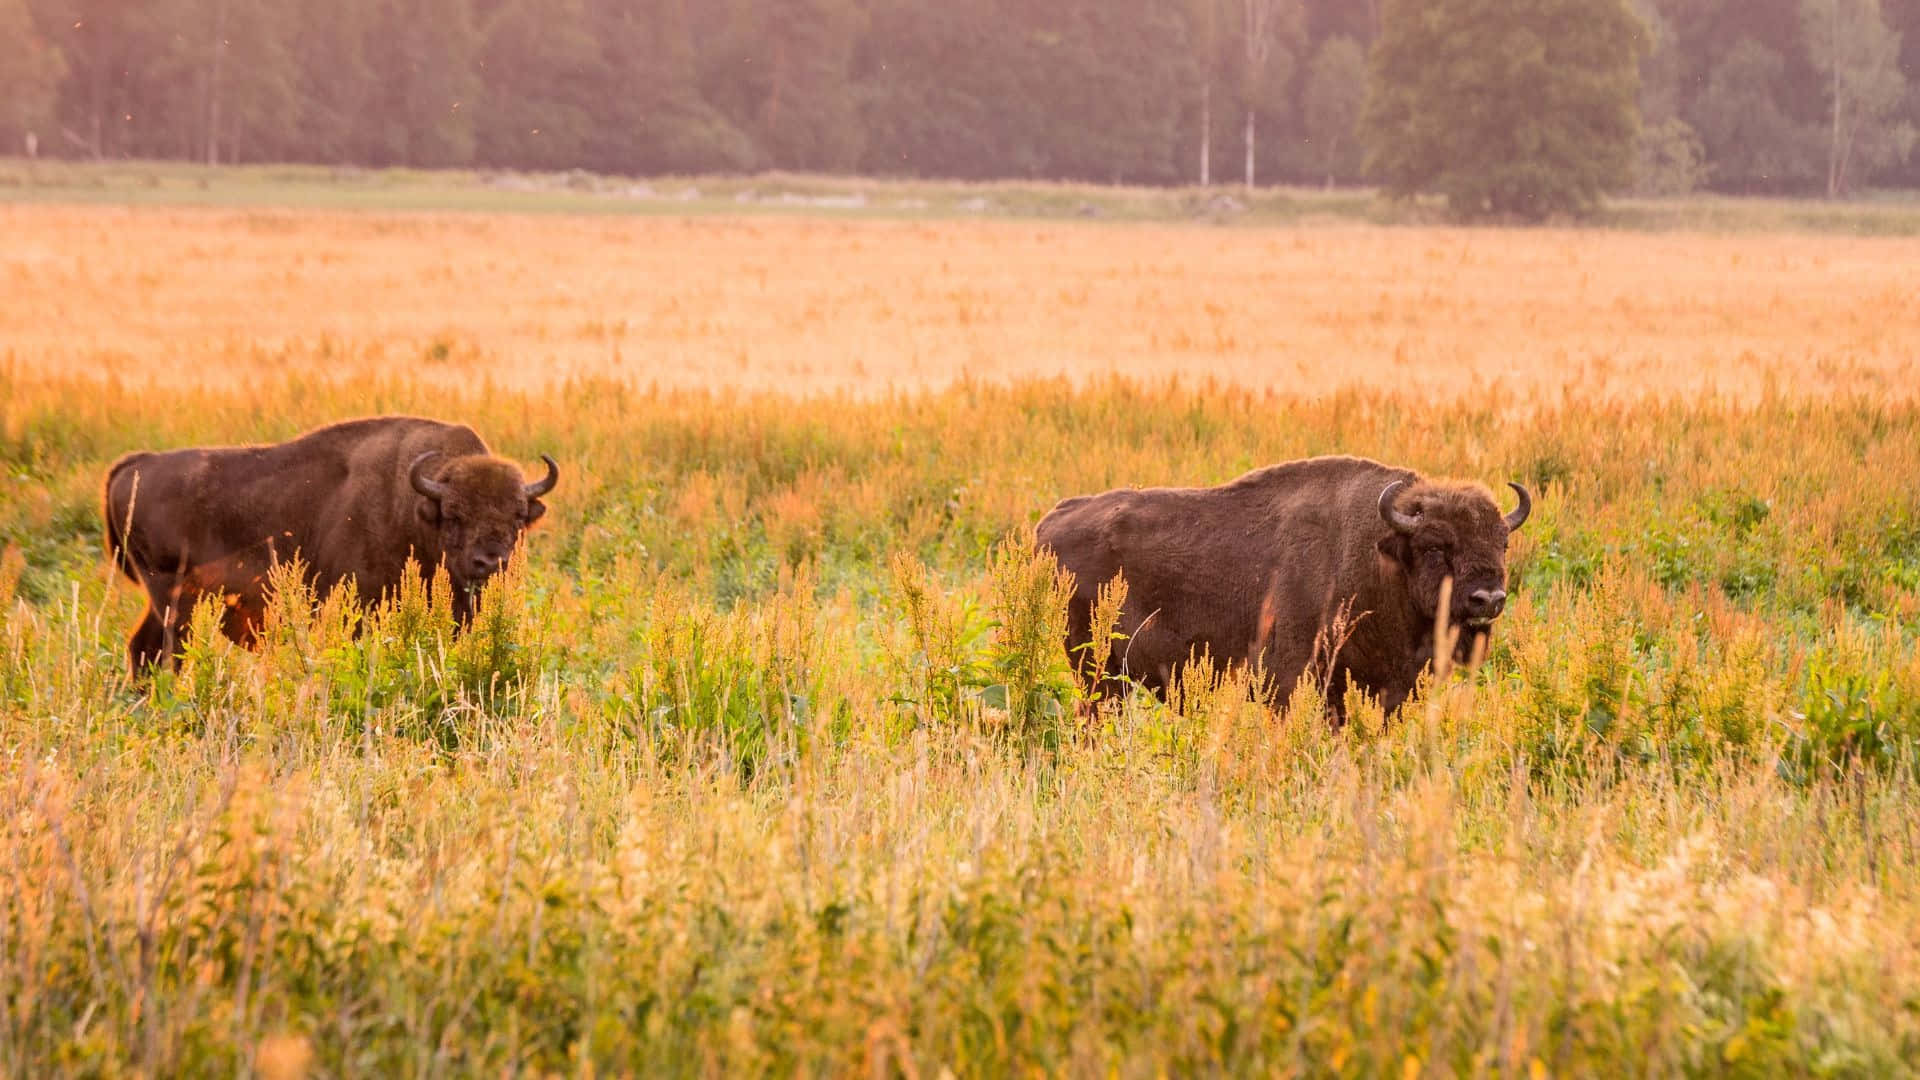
805,306
765,759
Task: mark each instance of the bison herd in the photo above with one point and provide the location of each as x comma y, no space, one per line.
1342,566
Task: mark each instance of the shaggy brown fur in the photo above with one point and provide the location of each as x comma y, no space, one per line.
346,498
1262,567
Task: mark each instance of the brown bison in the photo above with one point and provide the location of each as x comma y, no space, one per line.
353,500
1278,566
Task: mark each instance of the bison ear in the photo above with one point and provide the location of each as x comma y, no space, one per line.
1396,550
429,511
535,510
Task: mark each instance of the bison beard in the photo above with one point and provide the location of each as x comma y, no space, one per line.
354,501
1333,564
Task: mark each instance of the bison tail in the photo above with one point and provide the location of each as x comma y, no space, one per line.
118,514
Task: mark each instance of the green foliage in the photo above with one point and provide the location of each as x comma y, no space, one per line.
425,91
1103,634
30,76
1670,159
538,64
781,73
740,684
999,666
1510,110
1335,94
1859,706
942,661
1033,685
952,90
1859,56
494,655
1749,136
333,83
1128,91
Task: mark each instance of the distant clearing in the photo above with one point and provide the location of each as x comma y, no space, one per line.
805,306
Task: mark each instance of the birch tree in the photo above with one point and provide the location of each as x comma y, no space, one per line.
30,73
1271,34
1336,90
1206,23
1859,57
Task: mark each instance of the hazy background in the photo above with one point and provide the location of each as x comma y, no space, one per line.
1740,96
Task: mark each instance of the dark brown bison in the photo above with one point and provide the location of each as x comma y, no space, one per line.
353,500
1278,565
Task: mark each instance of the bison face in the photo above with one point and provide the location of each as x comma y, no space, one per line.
1440,533
480,506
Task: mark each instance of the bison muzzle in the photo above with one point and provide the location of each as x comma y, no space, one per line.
1334,564
354,501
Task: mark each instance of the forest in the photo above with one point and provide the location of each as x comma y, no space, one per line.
1740,96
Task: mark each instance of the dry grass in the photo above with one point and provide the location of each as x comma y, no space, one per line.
765,760
798,306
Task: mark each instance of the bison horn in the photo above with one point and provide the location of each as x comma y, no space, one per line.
1519,515
544,484
422,483
1402,523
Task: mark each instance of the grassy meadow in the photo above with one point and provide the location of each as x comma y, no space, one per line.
764,759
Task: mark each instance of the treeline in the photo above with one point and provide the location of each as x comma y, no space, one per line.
1736,95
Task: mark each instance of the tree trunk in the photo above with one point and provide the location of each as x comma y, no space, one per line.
1833,148
95,121
1843,181
1206,132
1247,137
213,82
1256,22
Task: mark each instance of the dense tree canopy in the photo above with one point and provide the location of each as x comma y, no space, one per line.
1738,94
1512,108
30,73
1335,93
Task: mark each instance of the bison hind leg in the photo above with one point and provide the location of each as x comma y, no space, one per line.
147,646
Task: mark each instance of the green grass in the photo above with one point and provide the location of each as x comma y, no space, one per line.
143,183
764,761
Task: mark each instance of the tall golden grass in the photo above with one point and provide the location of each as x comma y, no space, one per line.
764,758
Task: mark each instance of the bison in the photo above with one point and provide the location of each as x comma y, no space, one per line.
1333,562
352,500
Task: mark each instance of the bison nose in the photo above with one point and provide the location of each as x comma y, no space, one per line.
484,563
1486,603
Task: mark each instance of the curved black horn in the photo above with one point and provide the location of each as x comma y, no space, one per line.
425,485
1519,515
1402,523
545,484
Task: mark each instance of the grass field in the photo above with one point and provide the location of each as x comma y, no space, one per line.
764,759
526,303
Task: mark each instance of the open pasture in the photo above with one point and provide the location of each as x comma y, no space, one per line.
766,759
799,306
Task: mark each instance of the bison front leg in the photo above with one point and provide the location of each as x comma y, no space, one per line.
463,609
246,613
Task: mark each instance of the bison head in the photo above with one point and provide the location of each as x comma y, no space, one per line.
1437,532
480,505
